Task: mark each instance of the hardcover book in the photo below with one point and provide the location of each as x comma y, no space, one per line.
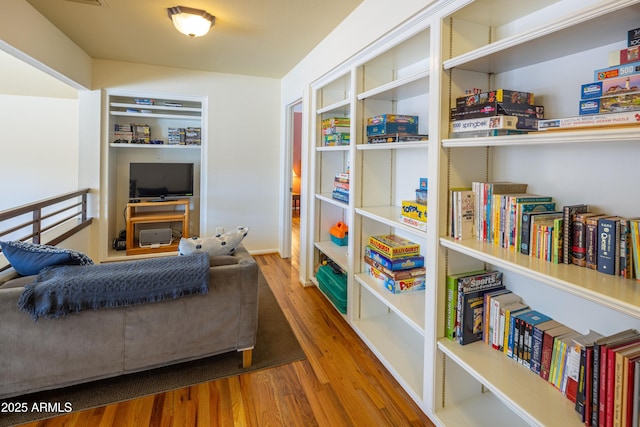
452,302
578,233
568,215
471,290
591,241
600,374
608,245
527,321
536,343
546,355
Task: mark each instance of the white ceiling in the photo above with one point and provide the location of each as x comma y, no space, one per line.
252,37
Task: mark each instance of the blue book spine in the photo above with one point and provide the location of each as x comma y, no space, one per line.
608,241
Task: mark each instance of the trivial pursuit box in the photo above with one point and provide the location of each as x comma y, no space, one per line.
402,263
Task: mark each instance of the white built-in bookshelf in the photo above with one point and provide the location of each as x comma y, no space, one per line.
546,47
167,111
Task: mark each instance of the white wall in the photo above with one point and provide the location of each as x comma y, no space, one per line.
25,32
39,148
243,147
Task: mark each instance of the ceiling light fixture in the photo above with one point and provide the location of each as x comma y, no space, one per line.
191,22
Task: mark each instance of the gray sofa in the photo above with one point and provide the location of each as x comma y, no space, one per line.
95,344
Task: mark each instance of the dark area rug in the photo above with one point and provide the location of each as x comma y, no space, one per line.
276,345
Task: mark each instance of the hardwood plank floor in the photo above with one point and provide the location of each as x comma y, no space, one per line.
341,383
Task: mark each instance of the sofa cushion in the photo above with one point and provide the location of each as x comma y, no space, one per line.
218,260
220,244
29,258
18,282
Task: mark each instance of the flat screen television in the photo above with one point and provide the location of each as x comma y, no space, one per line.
160,181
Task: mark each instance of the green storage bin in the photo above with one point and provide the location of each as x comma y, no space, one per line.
334,285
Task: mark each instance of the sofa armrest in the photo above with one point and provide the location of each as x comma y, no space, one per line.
244,274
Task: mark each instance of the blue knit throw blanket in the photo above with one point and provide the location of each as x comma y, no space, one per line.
59,290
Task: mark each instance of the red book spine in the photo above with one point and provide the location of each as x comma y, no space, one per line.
588,386
603,387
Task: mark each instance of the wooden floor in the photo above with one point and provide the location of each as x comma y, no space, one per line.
341,383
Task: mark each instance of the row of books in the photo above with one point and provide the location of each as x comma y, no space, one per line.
505,215
599,374
395,263
341,187
465,304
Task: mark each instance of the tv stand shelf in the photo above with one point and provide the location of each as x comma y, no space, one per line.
135,217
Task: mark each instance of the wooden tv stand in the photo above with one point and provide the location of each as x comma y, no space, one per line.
135,216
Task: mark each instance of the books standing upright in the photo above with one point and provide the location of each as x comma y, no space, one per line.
471,290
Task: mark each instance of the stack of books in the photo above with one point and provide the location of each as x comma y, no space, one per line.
336,131
465,308
395,263
341,187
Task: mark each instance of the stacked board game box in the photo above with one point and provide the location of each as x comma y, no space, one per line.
395,263
336,131
612,98
611,95
414,212
494,113
387,128
341,187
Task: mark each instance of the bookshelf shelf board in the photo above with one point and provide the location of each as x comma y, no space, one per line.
616,293
327,198
335,252
410,305
341,107
393,146
548,40
156,146
628,133
157,115
413,84
330,148
399,348
389,215
473,412
533,399
156,107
